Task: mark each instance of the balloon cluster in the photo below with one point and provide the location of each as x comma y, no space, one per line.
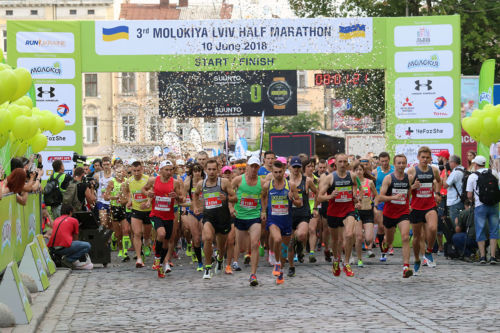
21,124
484,125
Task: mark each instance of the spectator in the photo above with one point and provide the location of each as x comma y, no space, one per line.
465,237
471,154
483,214
63,180
46,223
96,167
15,184
64,239
78,193
453,184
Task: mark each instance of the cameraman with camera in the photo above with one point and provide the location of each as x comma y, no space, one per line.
79,194
55,188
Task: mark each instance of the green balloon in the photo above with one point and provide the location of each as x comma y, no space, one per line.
22,128
8,85
18,148
6,121
38,143
472,125
490,125
25,100
4,137
24,81
58,126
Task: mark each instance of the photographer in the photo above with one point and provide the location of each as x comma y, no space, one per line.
63,180
79,193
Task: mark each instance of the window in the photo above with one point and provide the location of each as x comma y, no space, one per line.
302,80
91,12
153,83
5,41
72,12
90,85
90,130
155,128
128,83
9,12
210,129
183,128
33,12
243,128
128,128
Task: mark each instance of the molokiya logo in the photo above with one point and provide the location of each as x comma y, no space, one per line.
431,62
55,69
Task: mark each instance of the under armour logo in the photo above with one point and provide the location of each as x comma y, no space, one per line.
50,92
418,85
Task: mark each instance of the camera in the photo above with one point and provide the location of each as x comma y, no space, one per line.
79,158
91,182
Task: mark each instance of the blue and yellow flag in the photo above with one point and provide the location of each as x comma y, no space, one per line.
111,34
352,31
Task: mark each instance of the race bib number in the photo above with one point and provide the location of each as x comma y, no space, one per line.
212,200
249,201
279,206
163,203
344,195
399,191
425,190
139,197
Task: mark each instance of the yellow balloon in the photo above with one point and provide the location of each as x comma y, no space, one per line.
24,82
3,139
38,143
6,121
58,126
21,128
25,100
472,125
8,85
490,125
18,148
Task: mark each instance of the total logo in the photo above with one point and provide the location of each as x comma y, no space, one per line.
55,69
440,102
63,110
431,62
423,36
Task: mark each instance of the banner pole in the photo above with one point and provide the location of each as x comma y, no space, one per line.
262,121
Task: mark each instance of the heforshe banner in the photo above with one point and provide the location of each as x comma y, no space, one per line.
423,85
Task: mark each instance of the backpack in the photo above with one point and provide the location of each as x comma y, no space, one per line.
70,197
52,195
463,193
450,251
487,185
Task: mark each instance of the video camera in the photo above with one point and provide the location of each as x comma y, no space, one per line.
79,158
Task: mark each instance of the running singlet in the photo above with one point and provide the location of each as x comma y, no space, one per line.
365,192
163,205
117,186
423,197
135,187
304,197
279,205
343,203
248,206
213,205
312,196
381,175
396,208
103,184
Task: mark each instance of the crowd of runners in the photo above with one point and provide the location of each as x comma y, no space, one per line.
284,209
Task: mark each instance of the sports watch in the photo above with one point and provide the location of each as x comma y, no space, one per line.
279,93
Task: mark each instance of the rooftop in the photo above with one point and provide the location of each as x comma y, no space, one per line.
27,3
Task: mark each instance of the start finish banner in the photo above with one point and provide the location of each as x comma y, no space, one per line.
420,56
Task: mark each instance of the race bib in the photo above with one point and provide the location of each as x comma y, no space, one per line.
249,201
279,206
399,191
139,197
344,195
212,200
163,203
425,190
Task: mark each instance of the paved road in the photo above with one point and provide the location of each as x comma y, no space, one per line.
452,297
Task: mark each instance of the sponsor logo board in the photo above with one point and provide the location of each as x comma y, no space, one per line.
45,42
49,68
50,156
58,99
411,150
423,61
423,35
65,138
424,131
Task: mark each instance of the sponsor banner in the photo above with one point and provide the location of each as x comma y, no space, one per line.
423,35
65,138
424,97
45,42
423,61
169,37
424,131
411,150
49,68
50,156
58,99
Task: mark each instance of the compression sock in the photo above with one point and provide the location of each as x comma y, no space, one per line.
163,254
197,252
380,239
158,248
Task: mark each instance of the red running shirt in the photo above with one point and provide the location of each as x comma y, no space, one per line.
163,205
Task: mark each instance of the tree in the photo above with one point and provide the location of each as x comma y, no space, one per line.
479,21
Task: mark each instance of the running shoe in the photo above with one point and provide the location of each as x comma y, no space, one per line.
360,263
161,272
218,267
236,267
391,251
208,273
280,279
407,272
416,267
194,258
430,259
328,255
156,264
295,258
253,280
262,251
348,271
139,264
168,268
336,268
114,242
493,261
171,264
200,267
370,254
312,258
425,261
247,259
146,250
277,269
228,270
120,254
291,271
482,260
383,257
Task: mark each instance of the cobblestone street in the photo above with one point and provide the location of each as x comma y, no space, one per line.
452,297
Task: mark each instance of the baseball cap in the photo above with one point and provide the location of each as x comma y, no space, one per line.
165,163
227,168
479,160
232,159
253,160
444,153
180,162
282,160
295,161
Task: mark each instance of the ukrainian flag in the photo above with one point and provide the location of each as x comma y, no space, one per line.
111,34
352,31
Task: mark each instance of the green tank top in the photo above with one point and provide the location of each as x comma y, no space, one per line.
117,186
135,187
248,206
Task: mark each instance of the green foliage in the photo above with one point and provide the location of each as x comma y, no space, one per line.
480,21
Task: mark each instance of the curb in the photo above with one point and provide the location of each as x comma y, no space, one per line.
43,300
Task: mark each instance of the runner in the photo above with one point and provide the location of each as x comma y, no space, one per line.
381,172
395,193
103,178
164,190
231,247
301,215
341,213
267,168
278,195
202,158
141,208
323,207
425,182
121,226
315,218
216,214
